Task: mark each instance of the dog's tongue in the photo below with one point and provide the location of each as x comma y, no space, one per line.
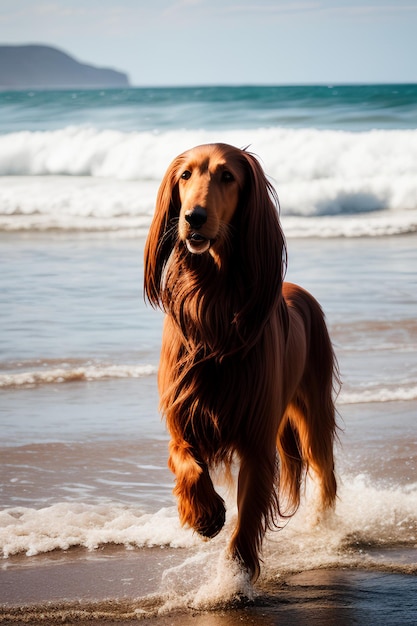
197,244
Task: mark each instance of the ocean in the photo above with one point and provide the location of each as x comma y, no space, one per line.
88,523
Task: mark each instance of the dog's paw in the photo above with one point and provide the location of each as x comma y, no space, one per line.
210,524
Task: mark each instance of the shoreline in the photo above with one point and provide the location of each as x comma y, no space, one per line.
114,585
326,597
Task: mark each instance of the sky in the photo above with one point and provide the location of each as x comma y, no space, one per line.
217,42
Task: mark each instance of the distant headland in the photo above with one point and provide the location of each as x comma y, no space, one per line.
45,67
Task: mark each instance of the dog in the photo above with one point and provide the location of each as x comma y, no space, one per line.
247,371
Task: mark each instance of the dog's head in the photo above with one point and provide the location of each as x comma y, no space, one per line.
210,179
216,200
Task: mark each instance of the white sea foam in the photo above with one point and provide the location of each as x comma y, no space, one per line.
362,517
63,374
381,224
75,203
330,183
367,516
288,155
204,581
379,393
369,521
62,526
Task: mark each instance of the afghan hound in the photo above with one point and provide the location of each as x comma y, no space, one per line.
247,369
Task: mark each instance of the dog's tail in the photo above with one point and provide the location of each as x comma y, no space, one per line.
307,433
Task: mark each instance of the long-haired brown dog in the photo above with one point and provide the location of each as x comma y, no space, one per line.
247,367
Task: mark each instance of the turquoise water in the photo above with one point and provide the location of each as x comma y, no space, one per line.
359,107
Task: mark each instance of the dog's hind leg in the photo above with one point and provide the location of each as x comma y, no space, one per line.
199,505
311,413
315,431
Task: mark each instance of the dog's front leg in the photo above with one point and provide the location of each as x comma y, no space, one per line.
199,505
257,501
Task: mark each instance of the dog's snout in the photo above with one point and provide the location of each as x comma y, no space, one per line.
196,217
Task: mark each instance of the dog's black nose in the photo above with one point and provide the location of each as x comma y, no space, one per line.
196,217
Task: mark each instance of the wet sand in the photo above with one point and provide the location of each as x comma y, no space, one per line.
114,585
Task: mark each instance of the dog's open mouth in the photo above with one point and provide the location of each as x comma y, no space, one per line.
197,244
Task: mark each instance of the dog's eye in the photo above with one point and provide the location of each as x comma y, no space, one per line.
186,175
227,177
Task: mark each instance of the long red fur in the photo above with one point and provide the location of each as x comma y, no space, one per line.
247,369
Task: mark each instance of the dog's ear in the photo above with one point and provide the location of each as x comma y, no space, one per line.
262,248
162,234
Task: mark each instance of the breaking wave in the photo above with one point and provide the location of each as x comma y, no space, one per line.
331,183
